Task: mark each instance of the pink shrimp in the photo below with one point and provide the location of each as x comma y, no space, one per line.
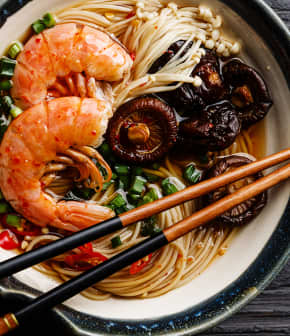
52,64
53,136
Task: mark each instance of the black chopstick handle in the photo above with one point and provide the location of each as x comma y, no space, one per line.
91,277
58,247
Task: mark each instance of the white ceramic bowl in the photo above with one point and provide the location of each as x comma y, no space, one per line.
195,305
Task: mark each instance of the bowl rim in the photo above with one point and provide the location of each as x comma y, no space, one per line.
262,18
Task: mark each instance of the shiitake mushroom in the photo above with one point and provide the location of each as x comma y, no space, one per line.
249,92
142,130
188,99
244,212
215,128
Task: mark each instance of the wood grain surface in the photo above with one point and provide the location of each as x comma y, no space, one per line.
267,315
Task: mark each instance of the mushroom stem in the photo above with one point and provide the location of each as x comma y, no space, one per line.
139,133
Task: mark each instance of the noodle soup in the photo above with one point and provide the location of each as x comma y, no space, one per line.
148,32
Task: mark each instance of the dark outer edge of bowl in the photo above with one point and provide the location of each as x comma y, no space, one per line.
259,274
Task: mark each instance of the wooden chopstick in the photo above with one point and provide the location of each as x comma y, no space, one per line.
61,246
126,258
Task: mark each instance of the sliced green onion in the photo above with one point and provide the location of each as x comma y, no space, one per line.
191,174
152,178
149,227
156,166
7,66
118,201
15,49
107,184
153,194
124,182
116,241
15,111
122,169
6,103
105,149
114,176
149,197
137,171
49,20
6,84
168,188
13,220
4,207
138,185
134,198
38,26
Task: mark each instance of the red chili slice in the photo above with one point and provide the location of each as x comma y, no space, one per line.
86,259
26,229
137,266
8,240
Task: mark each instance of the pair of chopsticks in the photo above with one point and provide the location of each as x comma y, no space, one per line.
126,258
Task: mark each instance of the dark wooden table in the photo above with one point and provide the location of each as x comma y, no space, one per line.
268,315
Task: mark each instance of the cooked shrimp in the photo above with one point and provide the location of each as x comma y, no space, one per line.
53,63
52,136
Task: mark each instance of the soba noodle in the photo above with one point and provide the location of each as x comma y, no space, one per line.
147,29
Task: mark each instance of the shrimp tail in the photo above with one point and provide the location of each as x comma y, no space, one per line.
78,216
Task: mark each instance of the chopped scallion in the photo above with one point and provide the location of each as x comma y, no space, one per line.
13,220
138,185
38,26
6,103
6,84
15,49
122,169
152,178
155,166
105,149
118,201
149,227
7,66
168,188
137,171
49,20
4,207
116,241
134,198
124,182
15,111
191,174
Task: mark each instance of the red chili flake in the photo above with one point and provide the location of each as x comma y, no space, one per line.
130,15
211,125
94,132
133,55
56,139
9,181
143,84
16,160
156,27
37,40
7,149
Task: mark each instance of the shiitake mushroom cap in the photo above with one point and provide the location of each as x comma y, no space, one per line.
244,212
153,116
249,92
215,129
